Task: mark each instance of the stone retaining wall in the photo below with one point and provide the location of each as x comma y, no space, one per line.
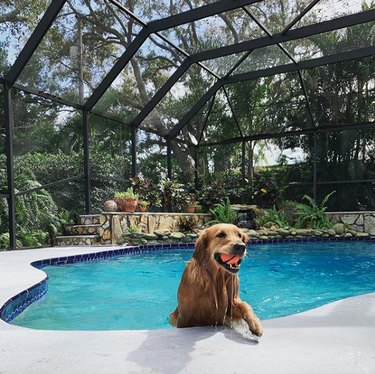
115,225
359,221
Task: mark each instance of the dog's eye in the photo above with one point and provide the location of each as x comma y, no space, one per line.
221,235
239,235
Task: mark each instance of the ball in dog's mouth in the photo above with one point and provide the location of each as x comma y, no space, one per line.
230,263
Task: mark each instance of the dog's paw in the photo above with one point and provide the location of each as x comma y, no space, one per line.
255,327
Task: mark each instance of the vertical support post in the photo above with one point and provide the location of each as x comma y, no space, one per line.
315,166
80,61
169,159
134,151
8,124
86,160
196,178
243,168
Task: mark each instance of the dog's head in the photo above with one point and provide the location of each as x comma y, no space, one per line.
224,245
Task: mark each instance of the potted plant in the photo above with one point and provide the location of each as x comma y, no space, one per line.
143,205
190,203
127,201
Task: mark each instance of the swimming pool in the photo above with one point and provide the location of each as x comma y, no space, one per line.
139,291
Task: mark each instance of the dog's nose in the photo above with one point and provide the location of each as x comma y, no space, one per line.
239,249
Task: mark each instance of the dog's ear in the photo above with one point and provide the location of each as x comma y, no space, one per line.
200,251
244,237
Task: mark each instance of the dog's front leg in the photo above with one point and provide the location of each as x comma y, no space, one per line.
242,310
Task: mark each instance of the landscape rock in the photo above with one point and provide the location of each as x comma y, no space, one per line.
362,234
339,228
162,233
177,235
331,232
283,232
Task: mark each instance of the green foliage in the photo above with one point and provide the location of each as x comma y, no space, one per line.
128,194
132,229
274,216
223,213
313,214
187,223
173,195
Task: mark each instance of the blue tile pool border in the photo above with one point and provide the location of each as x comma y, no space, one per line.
18,303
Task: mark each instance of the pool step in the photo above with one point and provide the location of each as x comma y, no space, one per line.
67,240
89,219
91,229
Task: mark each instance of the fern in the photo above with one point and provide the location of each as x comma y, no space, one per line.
313,214
274,216
223,213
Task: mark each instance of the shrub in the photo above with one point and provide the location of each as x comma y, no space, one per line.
313,214
223,213
274,216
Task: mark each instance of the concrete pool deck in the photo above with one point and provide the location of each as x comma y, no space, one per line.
335,338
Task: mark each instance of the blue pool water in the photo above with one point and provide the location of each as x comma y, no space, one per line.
139,291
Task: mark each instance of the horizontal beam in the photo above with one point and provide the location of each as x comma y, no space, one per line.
34,41
340,57
47,96
303,65
251,45
48,185
198,13
309,131
302,32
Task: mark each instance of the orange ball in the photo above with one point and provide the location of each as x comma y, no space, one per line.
229,259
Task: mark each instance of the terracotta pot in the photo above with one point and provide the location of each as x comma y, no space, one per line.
190,208
142,209
127,205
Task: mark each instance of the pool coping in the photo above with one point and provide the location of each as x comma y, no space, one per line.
17,275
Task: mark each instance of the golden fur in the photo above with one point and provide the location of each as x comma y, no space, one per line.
208,293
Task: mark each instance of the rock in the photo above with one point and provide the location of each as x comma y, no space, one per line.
192,235
143,241
293,232
263,232
353,232
348,235
359,220
274,227
369,225
263,237
150,236
110,206
362,234
271,232
331,232
325,236
349,219
162,233
339,228
304,232
268,225
283,232
252,233
177,235
318,233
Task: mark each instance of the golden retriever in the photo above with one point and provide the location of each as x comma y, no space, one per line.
208,294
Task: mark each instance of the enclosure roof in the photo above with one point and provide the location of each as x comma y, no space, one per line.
234,41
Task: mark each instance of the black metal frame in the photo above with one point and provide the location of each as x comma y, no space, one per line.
155,27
